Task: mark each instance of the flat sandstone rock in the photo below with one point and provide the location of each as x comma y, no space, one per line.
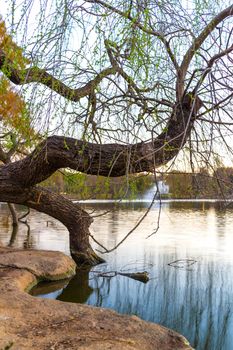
27,322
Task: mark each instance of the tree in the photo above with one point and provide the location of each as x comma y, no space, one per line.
113,88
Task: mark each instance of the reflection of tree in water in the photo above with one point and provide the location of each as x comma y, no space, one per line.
27,242
8,230
192,205
13,235
196,301
78,289
221,223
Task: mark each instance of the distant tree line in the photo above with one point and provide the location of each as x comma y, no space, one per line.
218,184
182,185
82,186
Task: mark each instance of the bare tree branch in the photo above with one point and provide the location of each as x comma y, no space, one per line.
196,45
37,75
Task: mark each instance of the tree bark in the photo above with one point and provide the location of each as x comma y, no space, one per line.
105,159
76,220
5,158
18,180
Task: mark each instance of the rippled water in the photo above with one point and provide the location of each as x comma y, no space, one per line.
195,300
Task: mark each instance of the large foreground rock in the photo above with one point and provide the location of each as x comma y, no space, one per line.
27,322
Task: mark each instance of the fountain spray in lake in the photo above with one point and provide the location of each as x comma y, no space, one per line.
160,188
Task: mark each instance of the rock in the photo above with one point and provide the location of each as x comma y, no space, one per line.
44,265
35,323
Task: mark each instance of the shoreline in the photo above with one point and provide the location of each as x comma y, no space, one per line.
29,322
170,200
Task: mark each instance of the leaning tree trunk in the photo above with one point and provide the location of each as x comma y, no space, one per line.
5,158
18,180
76,220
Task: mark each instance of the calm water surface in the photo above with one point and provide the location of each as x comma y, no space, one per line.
195,300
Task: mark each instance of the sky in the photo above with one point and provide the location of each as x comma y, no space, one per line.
51,120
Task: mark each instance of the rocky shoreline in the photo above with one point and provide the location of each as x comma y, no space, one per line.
27,322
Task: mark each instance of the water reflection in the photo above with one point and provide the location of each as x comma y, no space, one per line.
15,229
196,301
78,290
50,290
40,231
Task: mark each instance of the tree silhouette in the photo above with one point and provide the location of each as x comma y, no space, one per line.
111,88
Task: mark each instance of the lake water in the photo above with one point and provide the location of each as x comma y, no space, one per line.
196,300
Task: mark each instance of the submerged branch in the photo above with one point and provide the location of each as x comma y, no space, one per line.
138,276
